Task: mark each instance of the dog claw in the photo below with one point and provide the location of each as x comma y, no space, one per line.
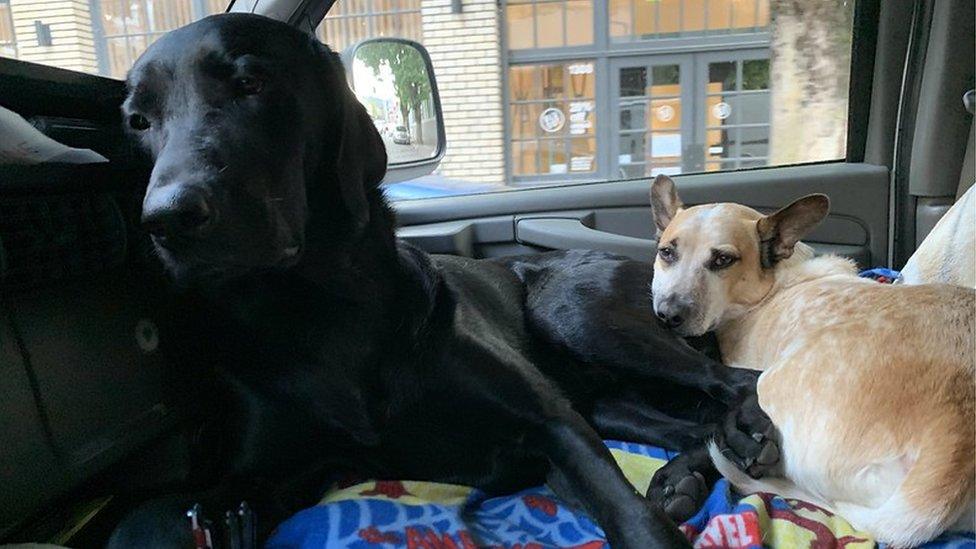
679,488
768,455
758,437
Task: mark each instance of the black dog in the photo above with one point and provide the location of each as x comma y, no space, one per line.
345,346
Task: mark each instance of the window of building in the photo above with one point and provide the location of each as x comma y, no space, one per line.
102,37
349,22
643,20
650,120
549,23
129,26
553,123
8,40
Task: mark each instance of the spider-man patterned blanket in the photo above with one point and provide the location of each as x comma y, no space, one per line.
424,515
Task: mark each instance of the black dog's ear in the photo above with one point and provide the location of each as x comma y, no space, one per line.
360,163
779,232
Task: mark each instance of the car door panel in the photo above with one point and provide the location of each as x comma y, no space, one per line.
29,468
85,382
616,216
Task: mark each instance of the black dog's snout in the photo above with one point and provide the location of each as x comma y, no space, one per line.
177,212
673,311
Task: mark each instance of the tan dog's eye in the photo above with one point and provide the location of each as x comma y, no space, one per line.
667,254
721,261
138,122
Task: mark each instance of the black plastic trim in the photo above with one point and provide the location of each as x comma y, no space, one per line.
864,42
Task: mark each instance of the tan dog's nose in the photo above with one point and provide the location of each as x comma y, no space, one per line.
673,311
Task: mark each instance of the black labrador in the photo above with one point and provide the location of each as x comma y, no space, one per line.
344,346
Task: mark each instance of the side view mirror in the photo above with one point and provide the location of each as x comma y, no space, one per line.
394,79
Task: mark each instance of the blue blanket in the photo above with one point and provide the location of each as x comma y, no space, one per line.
423,515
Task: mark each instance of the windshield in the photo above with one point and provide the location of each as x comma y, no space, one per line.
546,92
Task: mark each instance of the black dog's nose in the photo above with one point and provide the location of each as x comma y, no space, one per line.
176,211
670,319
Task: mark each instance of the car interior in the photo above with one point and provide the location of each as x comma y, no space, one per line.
97,415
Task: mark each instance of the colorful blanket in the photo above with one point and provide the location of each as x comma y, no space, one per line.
424,515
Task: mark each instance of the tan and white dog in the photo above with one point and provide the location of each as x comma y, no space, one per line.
871,386
948,253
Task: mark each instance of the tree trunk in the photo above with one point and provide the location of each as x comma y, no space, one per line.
420,123
405,114
810,63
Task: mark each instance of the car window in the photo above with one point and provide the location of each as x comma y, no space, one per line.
101,37
543,92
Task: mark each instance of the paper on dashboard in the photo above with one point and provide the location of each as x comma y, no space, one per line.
21,143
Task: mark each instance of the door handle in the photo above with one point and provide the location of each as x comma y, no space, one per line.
560,233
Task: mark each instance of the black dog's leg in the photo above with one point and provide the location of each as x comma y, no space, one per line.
749,439
639,349
746,437
528,410
636,421
583,471
682,485
599,311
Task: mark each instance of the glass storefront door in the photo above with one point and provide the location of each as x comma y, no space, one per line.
652,114
689,113
733,122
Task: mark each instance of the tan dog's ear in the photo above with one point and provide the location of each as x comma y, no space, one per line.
664,202
779,232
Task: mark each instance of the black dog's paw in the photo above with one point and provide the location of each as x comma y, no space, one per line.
748,438
678,489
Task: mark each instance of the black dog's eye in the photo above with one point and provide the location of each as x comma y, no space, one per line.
667,254
138,122
721,261
248,85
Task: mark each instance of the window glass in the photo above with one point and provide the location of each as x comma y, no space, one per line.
549,23
8,44
642,20
102,37
553,106
543,92
536,92
349,22
737,117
